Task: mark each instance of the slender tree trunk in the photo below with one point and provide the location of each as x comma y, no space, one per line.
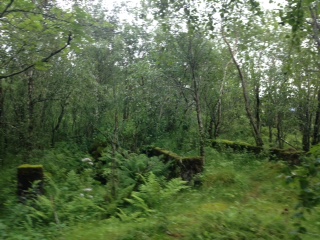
316,28
316,128
20,120
211,126
126,104
196,89
306,131
2,123
200,123
258,106
218,107
115,145
315,24
270,134
215,115
114,167
279,130
57,126
31,104
253,121
1,105
218,120
305,117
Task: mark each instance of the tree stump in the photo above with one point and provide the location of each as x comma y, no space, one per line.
30,181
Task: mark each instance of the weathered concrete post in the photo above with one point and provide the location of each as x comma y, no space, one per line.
30,181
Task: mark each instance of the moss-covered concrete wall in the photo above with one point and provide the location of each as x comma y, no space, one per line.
289,155
27,176
237,146
184,167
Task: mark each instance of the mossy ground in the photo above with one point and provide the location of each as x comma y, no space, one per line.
241,197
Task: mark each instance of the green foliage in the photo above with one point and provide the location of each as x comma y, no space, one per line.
247,199
128,169
134,86
70,197
69,201
307,178
139,166
30,33
315,150
237,224
155,192
295,15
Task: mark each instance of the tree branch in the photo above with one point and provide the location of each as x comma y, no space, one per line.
34,13
6,8
53,17
46,59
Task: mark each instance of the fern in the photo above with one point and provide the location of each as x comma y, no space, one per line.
124,217
140,203
153,193
173,187
72,181
151,189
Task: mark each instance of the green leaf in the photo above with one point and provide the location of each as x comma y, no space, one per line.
42,66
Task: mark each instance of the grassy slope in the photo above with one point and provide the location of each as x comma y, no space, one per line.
241,198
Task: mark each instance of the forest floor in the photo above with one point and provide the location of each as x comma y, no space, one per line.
242,196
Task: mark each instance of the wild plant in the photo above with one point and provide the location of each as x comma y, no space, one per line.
152,193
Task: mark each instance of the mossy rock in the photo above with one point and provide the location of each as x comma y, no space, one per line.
30,181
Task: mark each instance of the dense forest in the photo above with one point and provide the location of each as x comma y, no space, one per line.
160,119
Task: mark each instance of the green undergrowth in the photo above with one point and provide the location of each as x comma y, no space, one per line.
241,196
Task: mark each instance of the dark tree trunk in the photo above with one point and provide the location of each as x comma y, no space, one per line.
1,105
305,118
2,128
218,121
215,121
258,106
200,126
31,104
57,126
306,141
316,128
270,134
115,146
306,131
211,126
196,89
279,131
2,124
316,28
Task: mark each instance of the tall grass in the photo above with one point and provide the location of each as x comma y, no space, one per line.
241,197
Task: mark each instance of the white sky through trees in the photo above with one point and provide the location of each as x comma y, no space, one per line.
125,16
265,4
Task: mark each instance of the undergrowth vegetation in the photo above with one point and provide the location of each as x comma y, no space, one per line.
126,196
